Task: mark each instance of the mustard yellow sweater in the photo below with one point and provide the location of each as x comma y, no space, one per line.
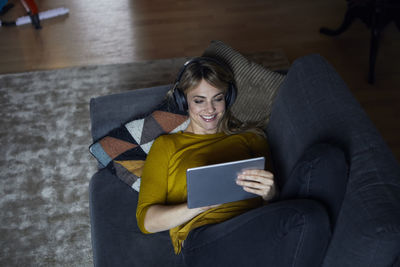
164,174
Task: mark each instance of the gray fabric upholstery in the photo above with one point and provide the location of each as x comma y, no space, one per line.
116,238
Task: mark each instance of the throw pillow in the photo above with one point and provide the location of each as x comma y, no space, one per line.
256,85
124,149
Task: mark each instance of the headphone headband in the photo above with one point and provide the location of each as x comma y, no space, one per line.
198,59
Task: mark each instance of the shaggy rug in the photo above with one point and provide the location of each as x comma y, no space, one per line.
45,163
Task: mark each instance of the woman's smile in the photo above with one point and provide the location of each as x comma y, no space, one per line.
208,118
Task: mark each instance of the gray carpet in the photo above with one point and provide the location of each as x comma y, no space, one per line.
45,163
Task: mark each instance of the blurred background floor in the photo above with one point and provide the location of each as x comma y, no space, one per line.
105,32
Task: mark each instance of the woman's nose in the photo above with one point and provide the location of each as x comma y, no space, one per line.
210,107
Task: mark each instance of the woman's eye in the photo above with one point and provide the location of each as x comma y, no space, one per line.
219,99
196,101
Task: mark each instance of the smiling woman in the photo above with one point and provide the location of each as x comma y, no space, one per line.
205,88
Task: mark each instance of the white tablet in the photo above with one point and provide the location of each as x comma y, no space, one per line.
216,184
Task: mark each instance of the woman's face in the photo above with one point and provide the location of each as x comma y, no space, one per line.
206,107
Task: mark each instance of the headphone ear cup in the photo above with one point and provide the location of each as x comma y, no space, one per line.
230,96
180,100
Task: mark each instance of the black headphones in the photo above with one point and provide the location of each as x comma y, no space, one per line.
179,96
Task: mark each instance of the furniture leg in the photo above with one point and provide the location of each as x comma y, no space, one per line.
348,20
373,50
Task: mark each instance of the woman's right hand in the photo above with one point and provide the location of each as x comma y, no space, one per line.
259,182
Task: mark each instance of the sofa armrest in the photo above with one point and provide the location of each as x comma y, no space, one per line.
314,105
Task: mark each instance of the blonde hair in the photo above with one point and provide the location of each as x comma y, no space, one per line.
220,77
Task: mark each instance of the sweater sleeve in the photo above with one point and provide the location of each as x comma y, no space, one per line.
154,180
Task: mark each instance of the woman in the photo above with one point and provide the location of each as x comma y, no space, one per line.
208,139
205,88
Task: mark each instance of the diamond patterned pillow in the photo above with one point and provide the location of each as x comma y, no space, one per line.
124,149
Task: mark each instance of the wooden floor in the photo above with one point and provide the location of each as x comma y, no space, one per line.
104,32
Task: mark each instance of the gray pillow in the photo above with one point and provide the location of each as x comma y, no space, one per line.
256,85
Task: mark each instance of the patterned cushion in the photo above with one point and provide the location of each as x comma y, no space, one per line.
124,149
257,86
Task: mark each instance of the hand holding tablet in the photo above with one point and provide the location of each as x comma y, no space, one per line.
259,182
228,182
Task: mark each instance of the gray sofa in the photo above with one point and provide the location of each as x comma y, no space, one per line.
312,105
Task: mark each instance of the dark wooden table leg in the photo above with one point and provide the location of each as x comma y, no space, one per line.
373,51
374,45
348,20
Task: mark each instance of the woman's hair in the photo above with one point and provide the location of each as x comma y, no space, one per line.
220,77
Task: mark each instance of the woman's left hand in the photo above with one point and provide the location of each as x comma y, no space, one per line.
259,182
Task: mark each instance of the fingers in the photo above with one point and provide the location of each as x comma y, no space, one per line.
259,182
256,178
